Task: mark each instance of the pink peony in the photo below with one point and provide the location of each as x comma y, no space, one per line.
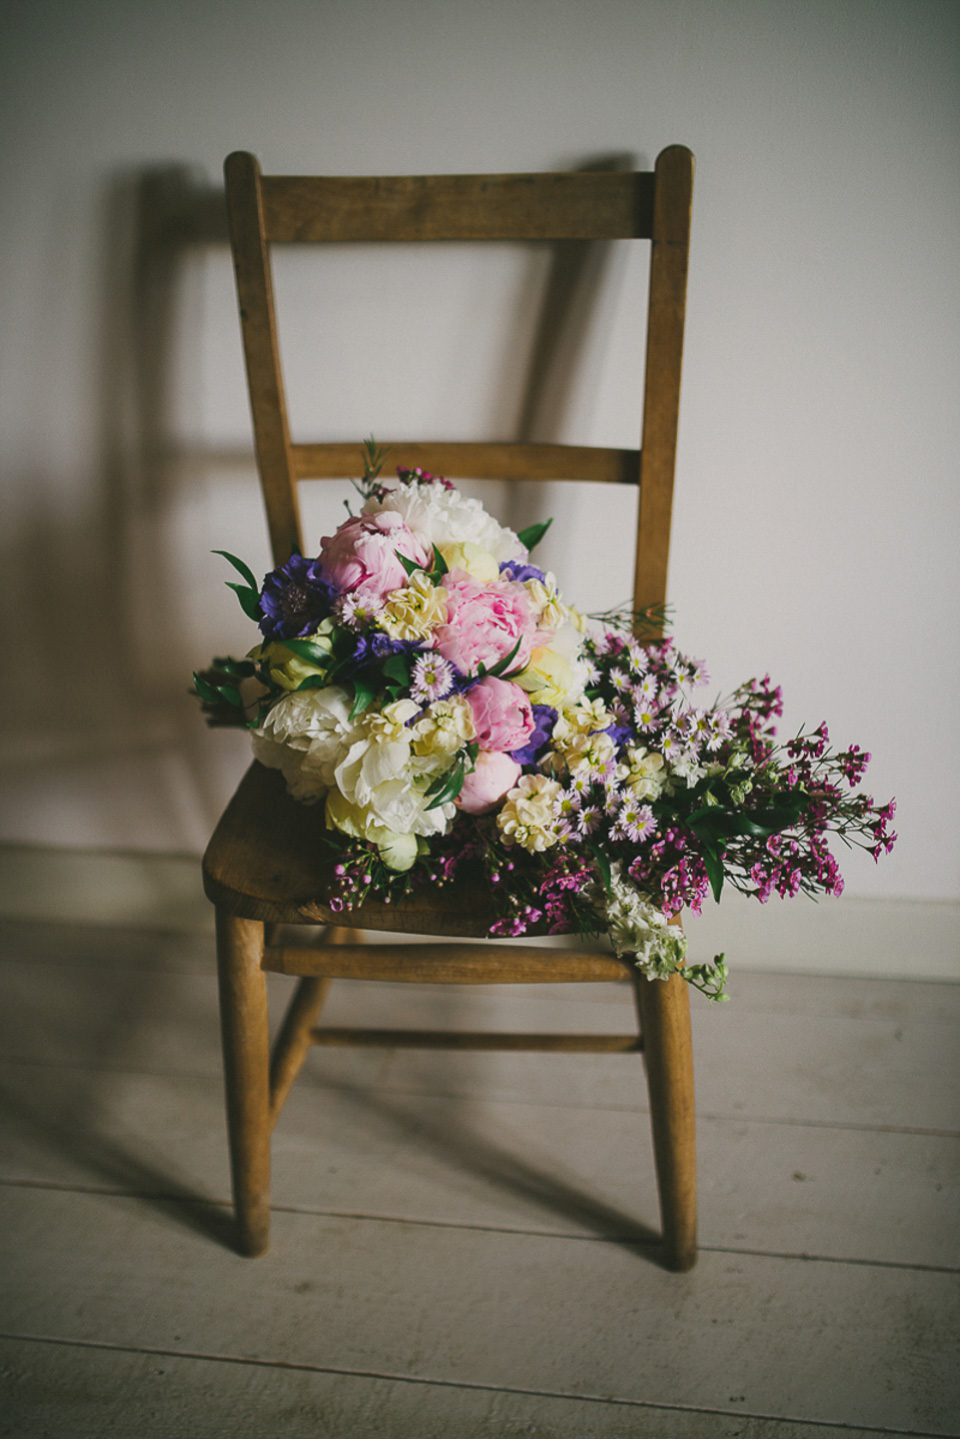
485,623
493,775
362,555
502,715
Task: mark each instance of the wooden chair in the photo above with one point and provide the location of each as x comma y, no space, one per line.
266,862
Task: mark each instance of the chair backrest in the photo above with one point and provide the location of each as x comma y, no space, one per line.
266,210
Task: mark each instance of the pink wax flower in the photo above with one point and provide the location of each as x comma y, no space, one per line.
494,774
362,555
502,715
485,622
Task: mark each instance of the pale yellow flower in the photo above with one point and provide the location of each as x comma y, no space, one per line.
587,716
390,723
474,559
587,752
398,851
414,612
643,772
548,678
443,728
289,670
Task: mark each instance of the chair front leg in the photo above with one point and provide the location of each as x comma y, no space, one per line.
246,1066
664,1007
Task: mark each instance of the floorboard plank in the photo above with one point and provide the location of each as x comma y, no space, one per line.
814,1341
786,1189
890,1070
83,1392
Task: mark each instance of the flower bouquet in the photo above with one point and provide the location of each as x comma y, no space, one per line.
427,684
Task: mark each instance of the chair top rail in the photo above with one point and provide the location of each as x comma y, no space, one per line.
477,461
588,205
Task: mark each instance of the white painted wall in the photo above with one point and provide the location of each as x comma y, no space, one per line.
817,511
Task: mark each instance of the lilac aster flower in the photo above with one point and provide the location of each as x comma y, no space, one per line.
432,679
294,600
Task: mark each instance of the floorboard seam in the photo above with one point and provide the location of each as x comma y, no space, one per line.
625,1240
212,1076
475,1386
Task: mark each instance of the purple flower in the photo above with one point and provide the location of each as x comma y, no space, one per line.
518,571
544,719
294,600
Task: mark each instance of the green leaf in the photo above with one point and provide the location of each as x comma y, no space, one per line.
504,664
533,534
241,568
439,563
363,696
249,600
231,694
603,865
409,565
307,650
204,690
714,867
397,668
240,669
447,786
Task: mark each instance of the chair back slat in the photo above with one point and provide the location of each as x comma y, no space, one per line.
458,460
661,400
601,205
608,205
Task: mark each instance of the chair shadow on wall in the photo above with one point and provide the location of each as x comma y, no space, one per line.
152,220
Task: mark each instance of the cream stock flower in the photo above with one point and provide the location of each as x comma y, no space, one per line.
531,814
644,772
587,752
445,727
412,613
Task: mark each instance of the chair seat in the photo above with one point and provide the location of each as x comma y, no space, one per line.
269,860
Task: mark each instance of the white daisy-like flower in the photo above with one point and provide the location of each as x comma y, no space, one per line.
634,821
639,659
646,717
358,610
589,820
432,679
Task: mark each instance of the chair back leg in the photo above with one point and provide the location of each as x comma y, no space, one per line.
664,1009
246,1063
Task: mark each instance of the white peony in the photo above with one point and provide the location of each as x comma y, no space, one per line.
304,785
444,517
379,776
316,722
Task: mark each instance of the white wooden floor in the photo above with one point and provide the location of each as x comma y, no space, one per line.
462,1244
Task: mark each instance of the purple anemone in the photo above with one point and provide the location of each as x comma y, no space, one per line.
294,600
